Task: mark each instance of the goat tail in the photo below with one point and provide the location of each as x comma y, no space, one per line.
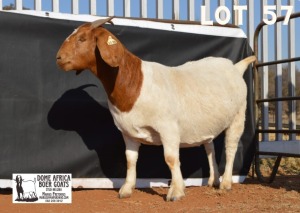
243,64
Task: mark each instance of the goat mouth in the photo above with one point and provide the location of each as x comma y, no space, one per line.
62,64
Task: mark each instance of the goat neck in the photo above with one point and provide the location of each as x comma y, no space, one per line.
123,83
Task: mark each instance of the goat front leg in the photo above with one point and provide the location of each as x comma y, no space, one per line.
131,153
213,167
171,154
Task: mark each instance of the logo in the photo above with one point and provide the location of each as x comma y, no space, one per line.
42,188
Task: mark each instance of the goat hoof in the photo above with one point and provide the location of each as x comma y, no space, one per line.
174,196
173,199
225,185
122,196
214,183
125,191
125,194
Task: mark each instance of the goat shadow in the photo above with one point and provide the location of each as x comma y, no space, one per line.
77,111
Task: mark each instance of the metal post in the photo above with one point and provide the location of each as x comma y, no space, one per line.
19,4
292,74
111,7
55,6
93,7
176,15
143,9
126,8
235,17
264,79
278,78
191,10
222,14
75,7
159,9
207,9
250,20
38,5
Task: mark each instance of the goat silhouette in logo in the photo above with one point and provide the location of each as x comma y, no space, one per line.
25,189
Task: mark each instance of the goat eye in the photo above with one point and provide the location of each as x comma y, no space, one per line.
81,39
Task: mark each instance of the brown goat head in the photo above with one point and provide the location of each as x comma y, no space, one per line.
78,51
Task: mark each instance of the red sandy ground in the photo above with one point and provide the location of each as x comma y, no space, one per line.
283,195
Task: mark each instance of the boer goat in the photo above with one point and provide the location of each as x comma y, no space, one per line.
183,106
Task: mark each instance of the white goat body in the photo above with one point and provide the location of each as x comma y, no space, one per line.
199,99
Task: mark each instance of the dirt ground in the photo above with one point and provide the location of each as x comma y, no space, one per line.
283,195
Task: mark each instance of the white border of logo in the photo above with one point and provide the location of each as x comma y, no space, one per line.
42,188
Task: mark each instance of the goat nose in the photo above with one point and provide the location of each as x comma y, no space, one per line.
58,57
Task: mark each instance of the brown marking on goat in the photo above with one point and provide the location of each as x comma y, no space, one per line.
128,83
77,51
118,69
120,73
130,164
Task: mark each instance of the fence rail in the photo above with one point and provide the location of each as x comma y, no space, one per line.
161,9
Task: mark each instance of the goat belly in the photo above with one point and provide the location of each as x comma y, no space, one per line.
131,126
199,142
143,135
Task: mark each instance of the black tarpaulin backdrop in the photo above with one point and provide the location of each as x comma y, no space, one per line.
56,122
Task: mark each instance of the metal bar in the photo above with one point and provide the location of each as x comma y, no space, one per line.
278,153
278,77
250,20
55,6
19,4
222,14
292,74
275,168
111,7
176,10
278,62
284,131
191,10
93,7
37,5
126,8
75,7
159,9
183,22
265,77
235,17
207,9
274,171
143,9
290,98
284,126
1,5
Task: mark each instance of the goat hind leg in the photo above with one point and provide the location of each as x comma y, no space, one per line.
213,167
176,191
233,134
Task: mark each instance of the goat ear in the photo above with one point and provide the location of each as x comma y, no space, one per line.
110,48
100,22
